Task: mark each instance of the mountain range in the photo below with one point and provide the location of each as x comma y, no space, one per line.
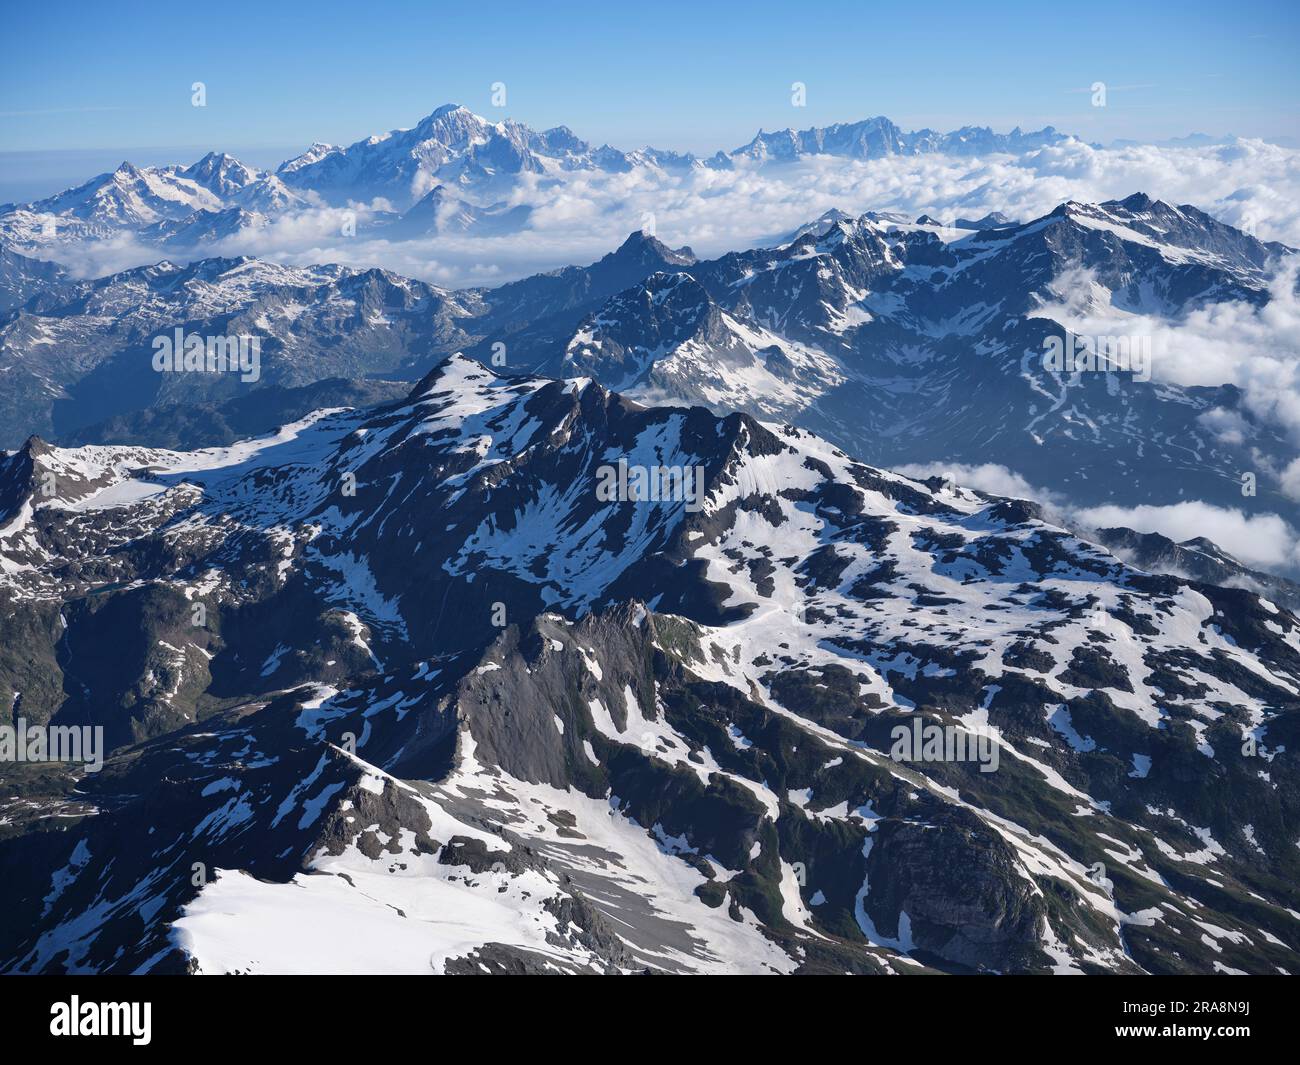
905,343
453,172
925,343
635,617
445,709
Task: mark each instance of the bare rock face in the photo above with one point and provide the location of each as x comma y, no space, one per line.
958,890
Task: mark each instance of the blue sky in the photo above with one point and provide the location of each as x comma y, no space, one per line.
85,83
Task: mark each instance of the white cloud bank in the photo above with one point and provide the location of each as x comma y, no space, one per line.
986,477
1255,347
1261,541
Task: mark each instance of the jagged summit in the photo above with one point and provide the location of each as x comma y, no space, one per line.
646,247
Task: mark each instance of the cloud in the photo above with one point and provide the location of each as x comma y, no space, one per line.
1289,481
1255,347
1263,541
986,477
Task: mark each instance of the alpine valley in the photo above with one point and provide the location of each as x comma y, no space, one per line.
387,685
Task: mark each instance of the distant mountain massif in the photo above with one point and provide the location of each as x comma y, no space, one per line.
453,172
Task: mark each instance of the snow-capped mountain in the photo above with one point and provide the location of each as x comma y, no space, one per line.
448,708
77,353
667,336
203,227
439,211
83,352
876,137
923,342
186,207
455,147
909,343
516,308
1197,559
223,175
452,147
125,200
472,163
23,278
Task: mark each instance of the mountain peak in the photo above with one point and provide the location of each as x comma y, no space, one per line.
457,114
642,244
1139,201
221,173
460,374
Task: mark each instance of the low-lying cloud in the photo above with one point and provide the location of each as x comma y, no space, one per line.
1252,346
988,477
1261,541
